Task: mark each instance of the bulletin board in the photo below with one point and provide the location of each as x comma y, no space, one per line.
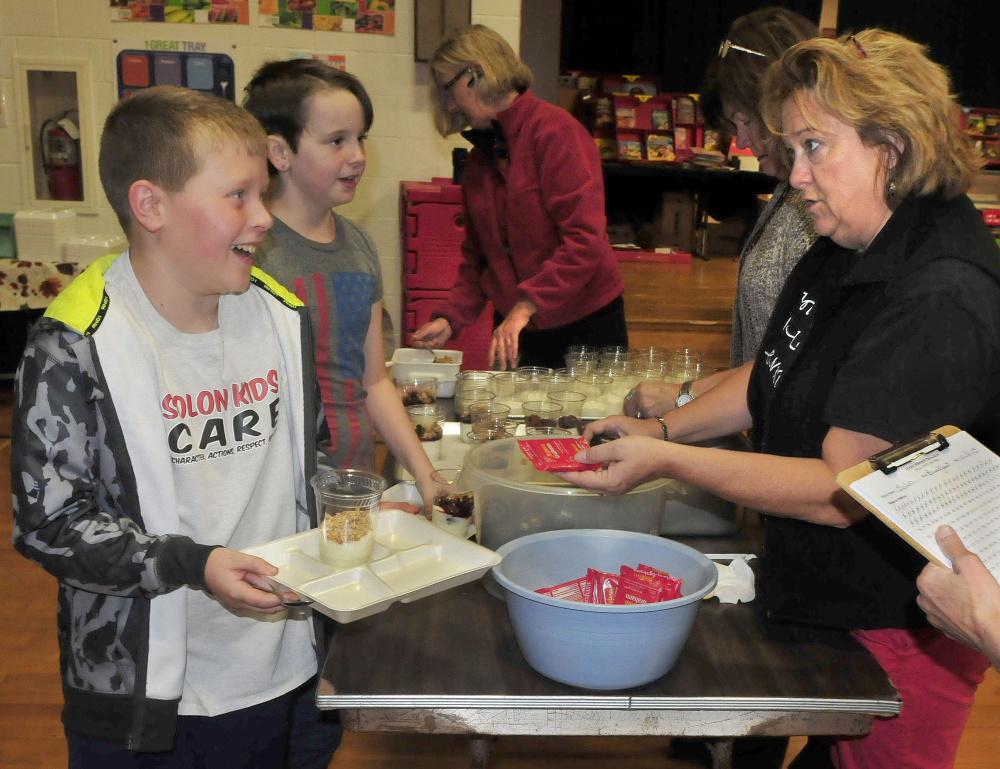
182,11
374,17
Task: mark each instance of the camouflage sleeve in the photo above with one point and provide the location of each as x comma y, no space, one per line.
70,498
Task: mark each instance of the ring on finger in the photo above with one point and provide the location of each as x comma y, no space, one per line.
630,396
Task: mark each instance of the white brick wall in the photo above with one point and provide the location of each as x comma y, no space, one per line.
403,143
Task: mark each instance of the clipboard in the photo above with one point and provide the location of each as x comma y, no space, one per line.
943,477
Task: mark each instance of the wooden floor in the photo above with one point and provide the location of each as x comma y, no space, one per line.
30,697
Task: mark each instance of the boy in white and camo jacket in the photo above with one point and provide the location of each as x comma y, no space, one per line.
163,423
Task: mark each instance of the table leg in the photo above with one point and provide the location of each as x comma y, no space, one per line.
481,750
721,752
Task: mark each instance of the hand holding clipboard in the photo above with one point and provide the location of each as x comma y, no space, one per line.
945,477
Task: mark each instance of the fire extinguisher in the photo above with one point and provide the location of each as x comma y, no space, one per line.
60,142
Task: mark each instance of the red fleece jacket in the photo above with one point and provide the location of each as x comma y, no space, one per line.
535,226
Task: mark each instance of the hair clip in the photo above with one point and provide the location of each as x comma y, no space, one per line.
861,51
726,45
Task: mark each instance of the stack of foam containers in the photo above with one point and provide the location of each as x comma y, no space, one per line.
432,233
41,234
83,249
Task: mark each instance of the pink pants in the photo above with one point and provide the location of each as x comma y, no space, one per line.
936,678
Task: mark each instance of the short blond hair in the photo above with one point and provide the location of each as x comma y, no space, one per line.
502,71
885,86
163,134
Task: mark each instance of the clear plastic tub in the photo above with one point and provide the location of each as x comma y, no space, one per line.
514,499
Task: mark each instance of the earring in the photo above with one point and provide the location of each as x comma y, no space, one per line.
890,189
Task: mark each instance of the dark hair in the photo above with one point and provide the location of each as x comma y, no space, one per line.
736,78
163,134
278,91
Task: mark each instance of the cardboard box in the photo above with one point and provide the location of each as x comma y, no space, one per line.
721,238
674,223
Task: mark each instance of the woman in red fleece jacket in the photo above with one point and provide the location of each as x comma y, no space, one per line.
535,237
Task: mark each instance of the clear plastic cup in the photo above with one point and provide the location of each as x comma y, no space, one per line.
683,365
475,379
557,381
453,505
482,435
541,414
347,509
465,398
572,409
505,385
489,414
415,391
610,355
597,389
587,360
426,421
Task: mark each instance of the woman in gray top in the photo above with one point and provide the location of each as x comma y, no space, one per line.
730,100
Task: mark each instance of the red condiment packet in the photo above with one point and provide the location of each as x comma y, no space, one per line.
603,587
554,454
632,591
671,585
578,590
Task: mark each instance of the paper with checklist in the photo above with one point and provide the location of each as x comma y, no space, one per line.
928,485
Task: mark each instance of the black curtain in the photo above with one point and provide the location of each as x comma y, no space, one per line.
961,35
672,40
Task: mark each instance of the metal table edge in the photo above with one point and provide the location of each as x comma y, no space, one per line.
762,704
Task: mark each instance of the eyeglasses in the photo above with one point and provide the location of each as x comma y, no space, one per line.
447,86
861,51
728,45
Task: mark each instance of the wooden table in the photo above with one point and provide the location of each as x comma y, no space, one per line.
449,664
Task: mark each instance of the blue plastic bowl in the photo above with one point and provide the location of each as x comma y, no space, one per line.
592,646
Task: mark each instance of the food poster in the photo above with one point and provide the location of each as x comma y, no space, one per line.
182,11
376,17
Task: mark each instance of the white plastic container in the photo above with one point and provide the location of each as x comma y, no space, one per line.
410,362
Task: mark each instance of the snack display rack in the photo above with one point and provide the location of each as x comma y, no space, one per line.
982,124
633,121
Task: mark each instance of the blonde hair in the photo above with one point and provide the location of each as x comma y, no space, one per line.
497,69
162,134
885,86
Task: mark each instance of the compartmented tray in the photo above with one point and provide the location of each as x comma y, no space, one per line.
412,559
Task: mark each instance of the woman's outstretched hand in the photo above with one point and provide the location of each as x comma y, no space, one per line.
625,463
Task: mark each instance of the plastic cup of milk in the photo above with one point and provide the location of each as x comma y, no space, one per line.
347,510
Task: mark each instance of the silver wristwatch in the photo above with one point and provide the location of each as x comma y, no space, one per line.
685,395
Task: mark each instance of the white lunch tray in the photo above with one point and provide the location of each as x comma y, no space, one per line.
412,559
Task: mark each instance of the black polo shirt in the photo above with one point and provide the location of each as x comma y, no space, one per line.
893,342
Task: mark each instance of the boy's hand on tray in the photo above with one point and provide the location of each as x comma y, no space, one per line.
625,464
238,581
